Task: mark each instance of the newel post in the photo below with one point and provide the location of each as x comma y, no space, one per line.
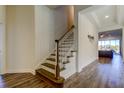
57,69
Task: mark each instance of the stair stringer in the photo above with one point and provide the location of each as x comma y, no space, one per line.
70,68
37,66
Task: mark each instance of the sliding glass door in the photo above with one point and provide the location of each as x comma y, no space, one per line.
109,45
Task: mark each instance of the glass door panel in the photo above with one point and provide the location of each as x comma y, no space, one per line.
109,45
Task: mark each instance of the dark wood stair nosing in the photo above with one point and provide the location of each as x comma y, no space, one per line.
49,65
62,69
51,59
66,62
50,76
59,55
53,54
70,56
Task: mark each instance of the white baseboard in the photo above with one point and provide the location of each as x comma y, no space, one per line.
79,70
2,72
21,71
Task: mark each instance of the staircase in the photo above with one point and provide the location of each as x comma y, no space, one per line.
51,69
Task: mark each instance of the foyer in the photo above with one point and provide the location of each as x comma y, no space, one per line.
62,46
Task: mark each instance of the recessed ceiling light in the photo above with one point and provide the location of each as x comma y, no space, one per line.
101,35
106,16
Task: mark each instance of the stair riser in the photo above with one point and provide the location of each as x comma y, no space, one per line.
50,62
55,56
64,43
52,56
51,59
48,69
67,42
60,55
64,49
63,53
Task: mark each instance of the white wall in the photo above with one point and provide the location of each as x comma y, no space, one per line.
61,21
77,9
2,14
1,44
31,35
20,38
2,40
123,43
70,15
87,49
44,33
1,48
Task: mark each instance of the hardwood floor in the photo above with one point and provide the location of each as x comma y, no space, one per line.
104,73
22,80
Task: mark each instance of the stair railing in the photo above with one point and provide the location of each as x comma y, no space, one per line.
58,42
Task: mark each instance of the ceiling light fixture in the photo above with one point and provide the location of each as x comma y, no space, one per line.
101,35
106,16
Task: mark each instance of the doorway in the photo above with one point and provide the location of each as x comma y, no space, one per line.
110,43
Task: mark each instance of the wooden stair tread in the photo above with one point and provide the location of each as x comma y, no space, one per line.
65,62
69,56
62,69
52,66
73,51
59,55
49,65
51,59
50,76
53,54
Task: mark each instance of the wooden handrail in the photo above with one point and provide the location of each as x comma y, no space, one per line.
57,68
66,32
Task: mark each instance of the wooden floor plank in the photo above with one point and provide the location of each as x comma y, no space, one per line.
103,73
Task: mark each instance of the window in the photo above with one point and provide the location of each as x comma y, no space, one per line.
109,45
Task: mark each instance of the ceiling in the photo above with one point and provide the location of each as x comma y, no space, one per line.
53,6
113,33
108,16
105,17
